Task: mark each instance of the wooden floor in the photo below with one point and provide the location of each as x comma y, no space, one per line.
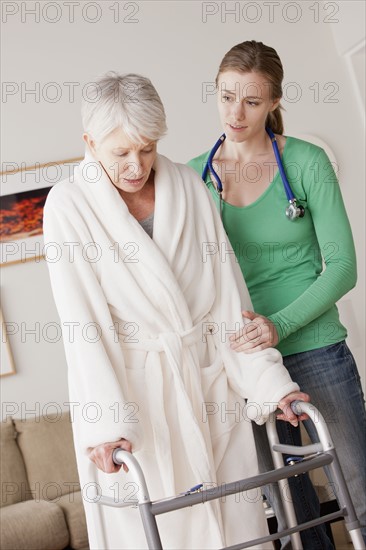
341,536
342,540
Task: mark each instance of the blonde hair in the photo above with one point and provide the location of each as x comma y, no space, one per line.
252,56
126,101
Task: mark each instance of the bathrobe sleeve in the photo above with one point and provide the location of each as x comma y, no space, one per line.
261,378
98,397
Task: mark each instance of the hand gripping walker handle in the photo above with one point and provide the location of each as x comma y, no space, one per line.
117,456
317,418
296,407
120,456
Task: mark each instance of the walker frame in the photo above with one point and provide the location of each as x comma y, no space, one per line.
315,455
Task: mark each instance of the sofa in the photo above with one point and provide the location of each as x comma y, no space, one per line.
41,501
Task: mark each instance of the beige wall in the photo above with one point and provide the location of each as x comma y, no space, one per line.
178,45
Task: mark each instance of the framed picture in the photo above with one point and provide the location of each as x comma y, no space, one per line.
23,194
6,359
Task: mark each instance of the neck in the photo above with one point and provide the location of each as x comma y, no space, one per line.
249,149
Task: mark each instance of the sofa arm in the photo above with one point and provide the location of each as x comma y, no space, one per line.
33,525
73,509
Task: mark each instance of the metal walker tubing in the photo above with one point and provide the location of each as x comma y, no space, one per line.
325,456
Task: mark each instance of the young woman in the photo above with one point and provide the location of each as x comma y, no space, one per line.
281,233
143,359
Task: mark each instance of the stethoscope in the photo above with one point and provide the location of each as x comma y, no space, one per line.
293,211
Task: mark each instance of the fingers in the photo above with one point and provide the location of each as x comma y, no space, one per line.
293,422
287,412
126,446
289,415
248,334
302,396
284,418
255,336
250,328
249,314
102,458
249,331
255,340
102,455
249,347
294,396
246,341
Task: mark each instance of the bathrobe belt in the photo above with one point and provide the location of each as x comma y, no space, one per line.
184,368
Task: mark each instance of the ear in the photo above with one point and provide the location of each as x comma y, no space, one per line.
275,104
90,142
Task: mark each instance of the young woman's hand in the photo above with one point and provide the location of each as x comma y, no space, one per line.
255,336
285,406
101,455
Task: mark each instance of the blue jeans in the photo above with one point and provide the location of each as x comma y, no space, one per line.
329,375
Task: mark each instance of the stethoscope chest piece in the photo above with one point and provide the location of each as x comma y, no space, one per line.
293,211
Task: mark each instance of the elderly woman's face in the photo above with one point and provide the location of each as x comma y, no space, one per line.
127,164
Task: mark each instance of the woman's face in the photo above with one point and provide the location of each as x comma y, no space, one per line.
244,101
127,164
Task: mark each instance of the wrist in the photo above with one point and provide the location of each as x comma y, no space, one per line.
278,326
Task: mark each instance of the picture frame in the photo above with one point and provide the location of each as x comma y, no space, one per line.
23,193
7,366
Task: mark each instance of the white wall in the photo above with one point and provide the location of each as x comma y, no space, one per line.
170,43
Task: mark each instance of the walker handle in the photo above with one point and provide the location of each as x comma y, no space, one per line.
317,418
296,407
120,456
117,456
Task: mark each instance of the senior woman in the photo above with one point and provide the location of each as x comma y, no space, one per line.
152,302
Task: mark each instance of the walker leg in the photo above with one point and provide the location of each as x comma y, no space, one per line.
288,506
150,526
344,501
357,539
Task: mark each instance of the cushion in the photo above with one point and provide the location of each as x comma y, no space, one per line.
72,506
48,453
14,483
33,525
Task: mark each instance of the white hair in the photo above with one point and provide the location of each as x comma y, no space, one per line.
126,101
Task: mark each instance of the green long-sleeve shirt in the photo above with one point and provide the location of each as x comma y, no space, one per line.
281,260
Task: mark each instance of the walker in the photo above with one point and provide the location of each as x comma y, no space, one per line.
314,456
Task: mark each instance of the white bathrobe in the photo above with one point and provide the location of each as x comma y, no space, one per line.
146,325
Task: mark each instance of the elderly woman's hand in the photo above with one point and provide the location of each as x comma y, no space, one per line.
101,455
255,336
285,405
